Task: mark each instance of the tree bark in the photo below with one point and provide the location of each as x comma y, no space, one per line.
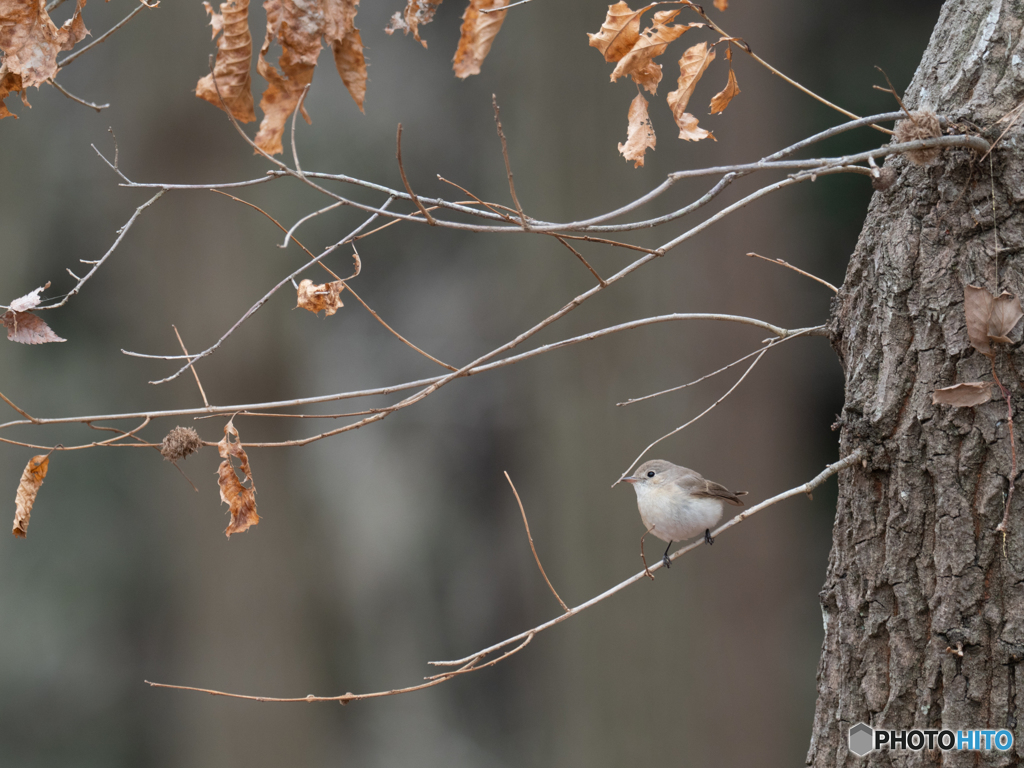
923,602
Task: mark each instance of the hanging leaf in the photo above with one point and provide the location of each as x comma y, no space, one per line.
417,13
25,497
722,99
651,43
478,33
347,44
620,31
320,297
640,135
233,62
241,501
26,328
691,67
1006,313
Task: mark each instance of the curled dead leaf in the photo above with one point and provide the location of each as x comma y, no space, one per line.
478,33
26,328
1006,313
723,97
31,41
619,32
241,501
691,67
297,28
320,297
650,44
416,14
963,395
347,44
30,300
233,62
721,4
978,310
640,135
28,487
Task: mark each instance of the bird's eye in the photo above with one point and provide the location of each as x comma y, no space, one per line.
650,473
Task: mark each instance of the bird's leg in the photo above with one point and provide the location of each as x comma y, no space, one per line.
646,569
707,537
664,558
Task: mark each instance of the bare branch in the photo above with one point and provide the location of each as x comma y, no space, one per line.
83,102
68,59
405,181
533,548
796,269
508,166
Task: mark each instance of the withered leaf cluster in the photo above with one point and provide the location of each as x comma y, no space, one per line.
621,40
241,500
30,42
989,320
25,327
481,22
325,297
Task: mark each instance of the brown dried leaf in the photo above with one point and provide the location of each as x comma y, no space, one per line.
963,395
233,63
240,500
320,297
721,4
652,43
417,13
26,328
29,300
691,66
640,135
296,25
10,83
347,44
31,41
690,131
478,32
722,99
978,310
31,479
1006,313
619,33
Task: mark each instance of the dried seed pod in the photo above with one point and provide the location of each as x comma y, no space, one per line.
180,443
922,124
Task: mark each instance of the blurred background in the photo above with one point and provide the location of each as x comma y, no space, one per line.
384,548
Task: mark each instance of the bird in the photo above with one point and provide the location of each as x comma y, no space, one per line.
677,503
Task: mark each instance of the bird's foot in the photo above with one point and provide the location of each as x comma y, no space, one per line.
708,539
667,563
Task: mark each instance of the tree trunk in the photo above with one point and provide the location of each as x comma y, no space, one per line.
923,602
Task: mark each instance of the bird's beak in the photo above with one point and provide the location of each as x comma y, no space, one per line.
630,479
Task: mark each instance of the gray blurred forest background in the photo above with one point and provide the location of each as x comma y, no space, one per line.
384,548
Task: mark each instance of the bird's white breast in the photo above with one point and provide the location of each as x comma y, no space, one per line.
672,518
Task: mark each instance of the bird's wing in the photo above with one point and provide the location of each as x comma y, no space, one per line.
700,487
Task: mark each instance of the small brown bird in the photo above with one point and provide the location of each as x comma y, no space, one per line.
676,503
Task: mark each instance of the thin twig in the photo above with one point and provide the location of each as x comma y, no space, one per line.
504,8
198,383
695,418
1012,115
508,166
405,181
32,419
579,256
99,262
533,548
68,59
796,269
83,102
892,89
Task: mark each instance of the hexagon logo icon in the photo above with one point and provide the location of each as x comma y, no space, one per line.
862,737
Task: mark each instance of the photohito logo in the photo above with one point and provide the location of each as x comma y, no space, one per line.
864,739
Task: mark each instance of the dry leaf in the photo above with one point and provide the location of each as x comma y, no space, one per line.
30,300
317,297
1006,313
417,13
691,66
26,328
640,136
240,500
722,99
31,41
651,43
619,33
31,479
963,395
233,62
347,44
296,25
978,310
478,32
10,83
721,4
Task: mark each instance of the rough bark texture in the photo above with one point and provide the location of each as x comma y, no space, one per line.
917,567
